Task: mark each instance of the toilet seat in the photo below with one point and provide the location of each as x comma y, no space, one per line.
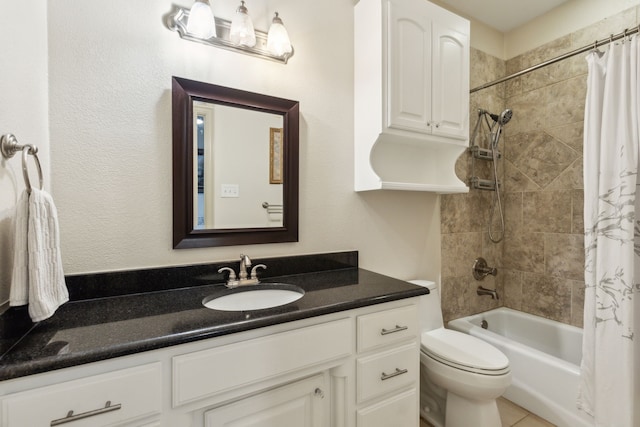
465,352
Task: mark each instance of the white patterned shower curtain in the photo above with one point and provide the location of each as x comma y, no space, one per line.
612,266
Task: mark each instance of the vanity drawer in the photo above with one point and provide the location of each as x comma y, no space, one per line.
399,410
386,371
387,327
133,393
209,372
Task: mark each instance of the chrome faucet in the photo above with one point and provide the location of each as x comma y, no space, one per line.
243,277
245,262
484,291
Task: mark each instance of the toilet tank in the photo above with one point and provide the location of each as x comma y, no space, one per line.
429,308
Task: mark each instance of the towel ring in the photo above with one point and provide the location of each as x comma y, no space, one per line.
25,171
9,146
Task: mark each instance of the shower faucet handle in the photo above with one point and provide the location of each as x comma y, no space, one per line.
482,270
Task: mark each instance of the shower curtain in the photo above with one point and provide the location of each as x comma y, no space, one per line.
612,261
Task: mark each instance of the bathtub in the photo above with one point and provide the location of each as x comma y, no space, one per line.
544,356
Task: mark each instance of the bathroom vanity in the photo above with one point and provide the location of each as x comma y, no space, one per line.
345,354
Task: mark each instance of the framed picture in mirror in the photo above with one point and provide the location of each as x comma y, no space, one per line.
275,155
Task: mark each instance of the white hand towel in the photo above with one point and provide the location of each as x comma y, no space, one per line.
19,294
45,278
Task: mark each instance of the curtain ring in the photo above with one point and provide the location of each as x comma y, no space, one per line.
26,151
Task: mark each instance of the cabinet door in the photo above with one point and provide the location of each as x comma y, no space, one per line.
408,77
450,82
300,404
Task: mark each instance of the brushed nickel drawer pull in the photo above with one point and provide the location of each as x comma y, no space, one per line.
394,374
108,407
398,328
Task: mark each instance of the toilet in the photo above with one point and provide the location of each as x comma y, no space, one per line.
461,376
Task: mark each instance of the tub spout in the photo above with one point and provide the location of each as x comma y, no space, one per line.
484,291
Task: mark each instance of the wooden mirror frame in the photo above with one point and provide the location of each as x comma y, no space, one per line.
185,235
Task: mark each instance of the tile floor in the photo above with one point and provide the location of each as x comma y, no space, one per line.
512,415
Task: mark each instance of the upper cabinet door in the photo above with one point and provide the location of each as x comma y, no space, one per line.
409,69
450,92
427,71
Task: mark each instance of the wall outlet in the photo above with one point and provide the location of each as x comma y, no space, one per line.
229,190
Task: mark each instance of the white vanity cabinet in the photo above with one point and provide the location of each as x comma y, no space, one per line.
329,370
411,95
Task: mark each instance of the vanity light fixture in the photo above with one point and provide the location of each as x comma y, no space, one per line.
278,41
201,22
242,32
274,46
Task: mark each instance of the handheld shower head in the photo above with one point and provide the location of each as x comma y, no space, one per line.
503,118
506,116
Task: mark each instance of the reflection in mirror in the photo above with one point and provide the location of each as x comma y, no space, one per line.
231,194
235,166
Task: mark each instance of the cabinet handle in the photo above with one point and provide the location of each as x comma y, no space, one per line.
108,407
319,393
398,328
437,125
394,374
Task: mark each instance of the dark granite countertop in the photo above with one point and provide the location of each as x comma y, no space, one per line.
101,323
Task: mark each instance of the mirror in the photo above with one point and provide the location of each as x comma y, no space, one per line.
235,166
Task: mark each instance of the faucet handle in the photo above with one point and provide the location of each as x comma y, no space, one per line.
482,270
232,274
231,281
254,273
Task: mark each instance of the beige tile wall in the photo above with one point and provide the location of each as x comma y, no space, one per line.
540,261
464,216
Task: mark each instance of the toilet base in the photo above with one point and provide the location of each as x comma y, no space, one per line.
433,400
462,412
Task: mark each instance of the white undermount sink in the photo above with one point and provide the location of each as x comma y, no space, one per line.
254,297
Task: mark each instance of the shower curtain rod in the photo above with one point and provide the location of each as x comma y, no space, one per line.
594,45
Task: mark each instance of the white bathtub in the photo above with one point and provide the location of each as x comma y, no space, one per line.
544,357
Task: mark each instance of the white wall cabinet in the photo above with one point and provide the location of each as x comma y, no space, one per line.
357,368
411,96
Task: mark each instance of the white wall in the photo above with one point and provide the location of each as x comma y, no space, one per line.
564,19
23,109
241,157
110,68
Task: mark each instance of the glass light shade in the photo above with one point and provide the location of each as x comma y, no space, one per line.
241,32
201,21
278,42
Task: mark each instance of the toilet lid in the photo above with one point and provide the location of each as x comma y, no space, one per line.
464,351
